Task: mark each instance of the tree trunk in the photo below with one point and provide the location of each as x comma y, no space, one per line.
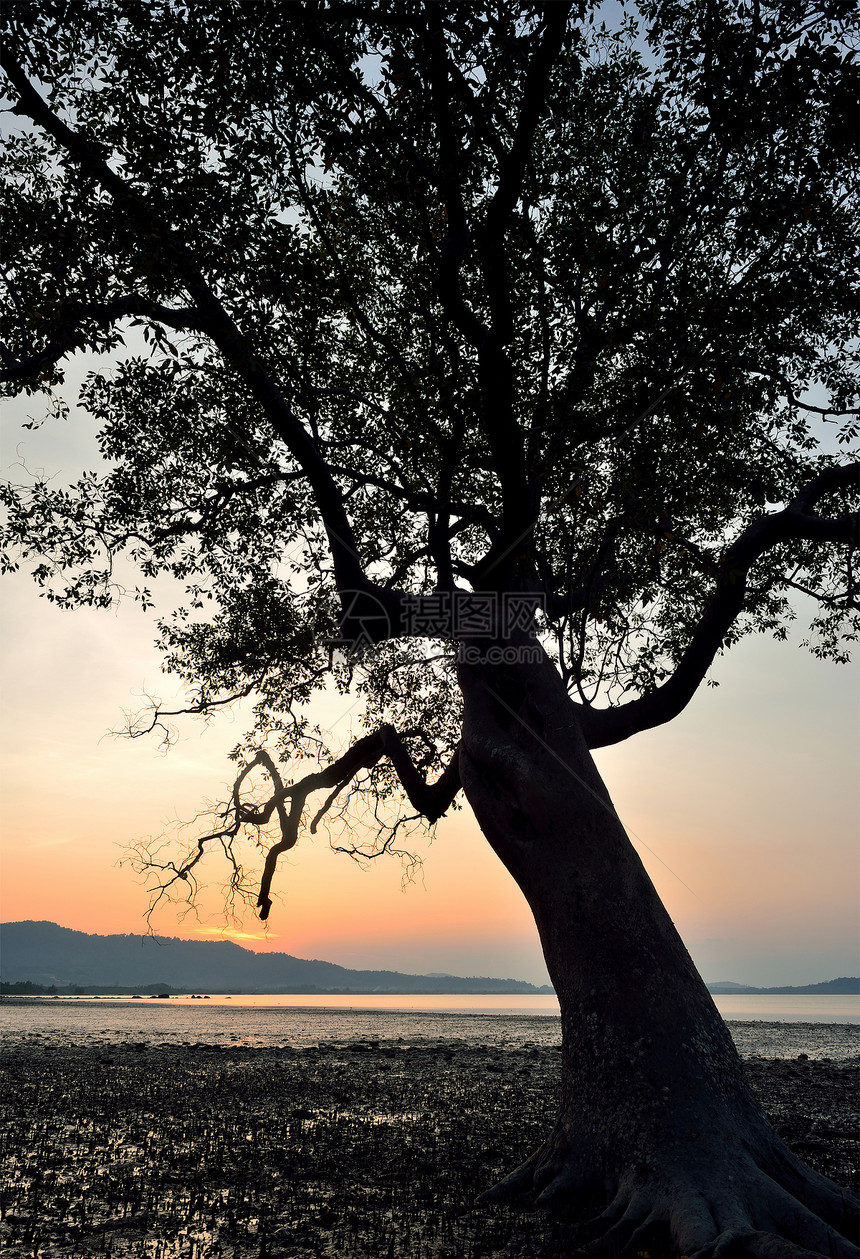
659,1144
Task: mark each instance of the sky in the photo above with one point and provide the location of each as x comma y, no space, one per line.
744,810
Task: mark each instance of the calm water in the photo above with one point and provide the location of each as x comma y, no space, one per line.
770,1026
744,1006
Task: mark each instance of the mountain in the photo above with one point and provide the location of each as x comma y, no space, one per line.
44,953
843,987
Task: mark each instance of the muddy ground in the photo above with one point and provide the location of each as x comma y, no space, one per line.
356,1151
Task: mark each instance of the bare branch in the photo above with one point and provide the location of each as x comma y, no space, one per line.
286,803
430,799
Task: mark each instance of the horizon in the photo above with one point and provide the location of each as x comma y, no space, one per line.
798,982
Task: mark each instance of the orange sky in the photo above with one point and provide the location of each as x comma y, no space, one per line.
750,798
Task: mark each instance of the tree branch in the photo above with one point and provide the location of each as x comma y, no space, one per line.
287,803
429,799
237,351
457,235
792,397
798,520
70,321
495,373
512,169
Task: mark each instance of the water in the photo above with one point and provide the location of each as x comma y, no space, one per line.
773,1009
742,1006
773,1027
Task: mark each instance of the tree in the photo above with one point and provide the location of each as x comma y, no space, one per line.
489,353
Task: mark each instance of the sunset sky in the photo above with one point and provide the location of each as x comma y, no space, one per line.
744,810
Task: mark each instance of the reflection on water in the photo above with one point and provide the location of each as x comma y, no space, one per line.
771,1026
457,1003
788,1009
744,1006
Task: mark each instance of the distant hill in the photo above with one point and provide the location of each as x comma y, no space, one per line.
844,987
48,956
45,954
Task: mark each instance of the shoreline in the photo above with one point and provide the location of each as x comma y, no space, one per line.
86,1022
357,1149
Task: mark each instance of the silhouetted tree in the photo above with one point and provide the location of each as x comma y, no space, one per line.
486,299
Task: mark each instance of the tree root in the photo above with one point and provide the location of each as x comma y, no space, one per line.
727,1209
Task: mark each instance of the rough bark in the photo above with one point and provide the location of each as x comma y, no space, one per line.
659,1144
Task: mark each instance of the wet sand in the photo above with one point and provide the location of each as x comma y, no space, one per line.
353,1151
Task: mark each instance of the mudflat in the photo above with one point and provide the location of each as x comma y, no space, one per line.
359,1150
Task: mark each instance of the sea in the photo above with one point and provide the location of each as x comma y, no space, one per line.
822,1027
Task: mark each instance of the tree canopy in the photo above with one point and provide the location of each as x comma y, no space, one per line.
403,300
497,365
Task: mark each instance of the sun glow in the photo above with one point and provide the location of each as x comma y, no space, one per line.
233,933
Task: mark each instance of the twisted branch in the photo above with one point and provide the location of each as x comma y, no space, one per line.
287,803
